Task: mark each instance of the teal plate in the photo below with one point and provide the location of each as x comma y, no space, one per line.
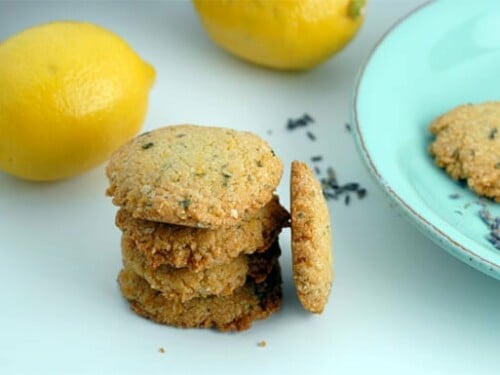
443,54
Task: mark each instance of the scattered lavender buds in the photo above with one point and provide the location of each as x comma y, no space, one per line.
330,186
333,190
299,122
311,136
361,193
347,199
493,224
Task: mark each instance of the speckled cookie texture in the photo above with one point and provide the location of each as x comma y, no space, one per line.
193,175
312,258
467,146
196,248
180,283
252,301
183,284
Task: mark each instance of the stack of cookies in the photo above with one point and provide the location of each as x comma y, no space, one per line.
200,222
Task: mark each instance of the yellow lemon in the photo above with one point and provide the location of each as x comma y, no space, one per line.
282,34
70,93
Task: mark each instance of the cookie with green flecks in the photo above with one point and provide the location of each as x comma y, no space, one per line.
467,146
312,256
199,248
183,284
248,303
192,175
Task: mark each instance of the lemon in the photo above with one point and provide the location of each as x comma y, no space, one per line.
70,93
286,35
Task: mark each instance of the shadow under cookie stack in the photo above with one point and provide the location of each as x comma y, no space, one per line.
200,222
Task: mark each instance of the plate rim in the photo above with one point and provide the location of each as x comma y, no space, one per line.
438,236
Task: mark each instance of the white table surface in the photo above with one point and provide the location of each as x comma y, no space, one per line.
399,305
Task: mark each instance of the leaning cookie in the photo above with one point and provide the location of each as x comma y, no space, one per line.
183,284
467,146
312,258
238,311
197,248
200,176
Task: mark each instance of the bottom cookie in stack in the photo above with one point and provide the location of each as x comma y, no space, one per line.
258,298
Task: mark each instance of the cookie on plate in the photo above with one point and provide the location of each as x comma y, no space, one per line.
237,311
199,176
312,258
183,284
197,248
467,146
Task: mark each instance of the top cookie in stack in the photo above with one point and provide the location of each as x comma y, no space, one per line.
200,222
205,177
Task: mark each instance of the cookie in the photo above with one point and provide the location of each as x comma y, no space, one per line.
183,284
199,176
467,146
260,265
312,259
198,248
237,311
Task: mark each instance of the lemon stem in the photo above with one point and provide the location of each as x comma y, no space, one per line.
355,8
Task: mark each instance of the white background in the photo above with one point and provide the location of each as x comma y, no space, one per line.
399,305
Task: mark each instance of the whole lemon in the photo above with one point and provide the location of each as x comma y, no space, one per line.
287,35
70,93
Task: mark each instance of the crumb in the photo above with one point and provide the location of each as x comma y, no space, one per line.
162,350
262,344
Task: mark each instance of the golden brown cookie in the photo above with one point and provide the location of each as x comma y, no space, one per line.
183,284
312,258
191,175
467,145
198,248
225,313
